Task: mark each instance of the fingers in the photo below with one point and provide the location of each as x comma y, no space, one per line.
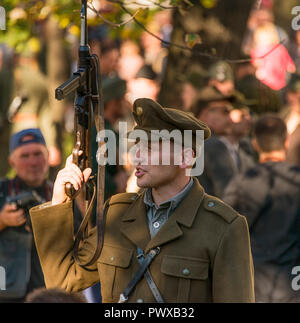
70,174
20,217
10,207
73,178
77,171
86,174
69,160
13,217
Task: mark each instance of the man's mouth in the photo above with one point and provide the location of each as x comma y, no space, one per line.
139,171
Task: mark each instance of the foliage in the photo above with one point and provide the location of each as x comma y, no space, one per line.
25,18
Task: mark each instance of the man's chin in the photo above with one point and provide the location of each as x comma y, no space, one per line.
142,182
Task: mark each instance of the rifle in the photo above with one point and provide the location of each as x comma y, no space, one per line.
88,105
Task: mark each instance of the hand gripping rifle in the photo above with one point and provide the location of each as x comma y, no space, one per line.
86,82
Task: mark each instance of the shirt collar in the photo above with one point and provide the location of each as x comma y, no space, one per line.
172,202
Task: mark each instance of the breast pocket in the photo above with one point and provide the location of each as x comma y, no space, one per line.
185,278
114,268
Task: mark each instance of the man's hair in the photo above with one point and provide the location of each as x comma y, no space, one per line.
270,133
54,295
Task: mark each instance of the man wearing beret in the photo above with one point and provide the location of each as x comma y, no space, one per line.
29,159
192,246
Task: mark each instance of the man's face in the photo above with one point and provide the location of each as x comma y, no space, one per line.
148,173
241,122
143,88
30,163
217,116
118,108
109,61
226,87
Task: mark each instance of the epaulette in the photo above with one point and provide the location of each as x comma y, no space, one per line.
215,205
123,198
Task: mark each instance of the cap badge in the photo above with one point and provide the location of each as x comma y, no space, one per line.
139,111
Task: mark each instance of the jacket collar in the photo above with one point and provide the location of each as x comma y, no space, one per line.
135,226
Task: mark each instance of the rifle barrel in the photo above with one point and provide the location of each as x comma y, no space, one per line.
83,16
68,87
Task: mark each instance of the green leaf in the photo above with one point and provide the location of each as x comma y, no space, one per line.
192,39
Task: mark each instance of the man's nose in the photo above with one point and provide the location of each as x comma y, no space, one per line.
33,160
140,157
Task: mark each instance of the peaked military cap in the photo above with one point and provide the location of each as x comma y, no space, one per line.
150,115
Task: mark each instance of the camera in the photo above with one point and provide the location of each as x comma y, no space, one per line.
25,200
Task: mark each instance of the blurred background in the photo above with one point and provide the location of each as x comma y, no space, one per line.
230,63
171,43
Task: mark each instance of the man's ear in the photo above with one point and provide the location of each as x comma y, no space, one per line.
188,158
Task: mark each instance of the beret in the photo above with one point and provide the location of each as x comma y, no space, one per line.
221,71
150,115
209,94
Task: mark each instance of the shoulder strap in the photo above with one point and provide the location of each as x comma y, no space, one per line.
215,205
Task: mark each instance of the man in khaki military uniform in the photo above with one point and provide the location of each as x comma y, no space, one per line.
204,244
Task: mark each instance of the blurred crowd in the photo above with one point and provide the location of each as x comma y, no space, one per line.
252,160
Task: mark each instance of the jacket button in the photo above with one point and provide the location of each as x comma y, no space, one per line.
156,225
112,259
210,204
186,272
140,301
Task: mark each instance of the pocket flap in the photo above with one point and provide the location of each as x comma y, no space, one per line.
116,256
185,267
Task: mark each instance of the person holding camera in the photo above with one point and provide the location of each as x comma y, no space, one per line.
28,157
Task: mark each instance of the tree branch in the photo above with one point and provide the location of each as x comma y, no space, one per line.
198,53
155,3
115,25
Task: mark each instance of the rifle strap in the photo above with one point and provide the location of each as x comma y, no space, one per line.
149,279
144,264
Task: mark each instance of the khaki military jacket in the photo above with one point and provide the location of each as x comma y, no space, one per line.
205,251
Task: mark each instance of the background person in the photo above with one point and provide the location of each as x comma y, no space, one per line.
213,108
29,158
54,295
268,195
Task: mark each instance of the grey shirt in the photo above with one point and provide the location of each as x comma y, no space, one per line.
158,215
